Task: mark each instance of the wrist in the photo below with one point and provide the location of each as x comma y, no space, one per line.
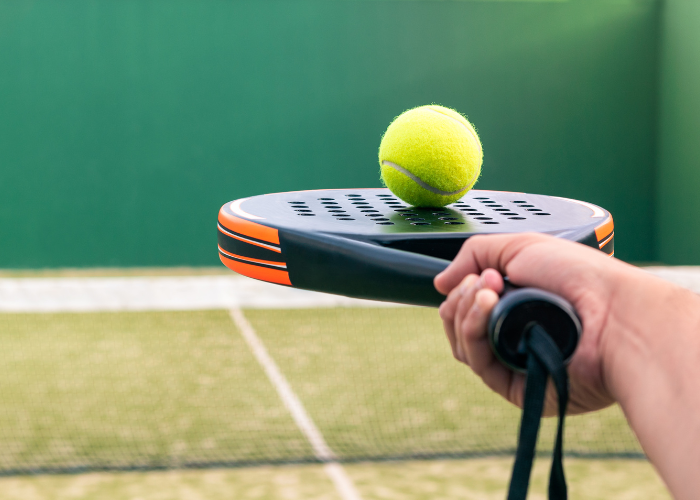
645,316
651,324
651,366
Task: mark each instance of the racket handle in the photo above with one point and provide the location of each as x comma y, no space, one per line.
518,310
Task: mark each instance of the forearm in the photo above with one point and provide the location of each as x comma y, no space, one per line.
652,367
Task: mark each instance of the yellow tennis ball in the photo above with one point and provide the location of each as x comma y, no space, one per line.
430,156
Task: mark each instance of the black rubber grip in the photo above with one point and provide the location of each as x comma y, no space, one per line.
519,310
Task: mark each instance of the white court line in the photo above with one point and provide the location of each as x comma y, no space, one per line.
159,293
187,293
342,482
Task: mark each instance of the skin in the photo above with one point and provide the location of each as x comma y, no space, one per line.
640,345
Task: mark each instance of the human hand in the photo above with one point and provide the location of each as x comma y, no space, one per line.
580,274
640,344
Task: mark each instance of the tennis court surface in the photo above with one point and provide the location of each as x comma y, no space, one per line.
117,381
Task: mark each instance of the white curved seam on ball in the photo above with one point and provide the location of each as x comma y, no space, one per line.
472,181
420,181
471,132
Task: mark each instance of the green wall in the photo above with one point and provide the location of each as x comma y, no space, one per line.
125,125
678,215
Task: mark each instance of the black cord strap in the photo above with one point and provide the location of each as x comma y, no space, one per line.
544,359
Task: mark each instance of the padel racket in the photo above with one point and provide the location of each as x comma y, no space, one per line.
366,243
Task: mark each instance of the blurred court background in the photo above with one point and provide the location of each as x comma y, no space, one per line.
124,126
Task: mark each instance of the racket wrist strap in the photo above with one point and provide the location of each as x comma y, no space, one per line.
544,360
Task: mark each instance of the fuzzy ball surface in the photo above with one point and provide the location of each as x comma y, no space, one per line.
430,156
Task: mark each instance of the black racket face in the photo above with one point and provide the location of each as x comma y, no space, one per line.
378,212
287,237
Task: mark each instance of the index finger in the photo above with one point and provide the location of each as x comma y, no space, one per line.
528,259
480,253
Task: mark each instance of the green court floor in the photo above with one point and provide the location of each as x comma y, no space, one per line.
84,392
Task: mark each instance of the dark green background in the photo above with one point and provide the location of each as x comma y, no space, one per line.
125,125
678,214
